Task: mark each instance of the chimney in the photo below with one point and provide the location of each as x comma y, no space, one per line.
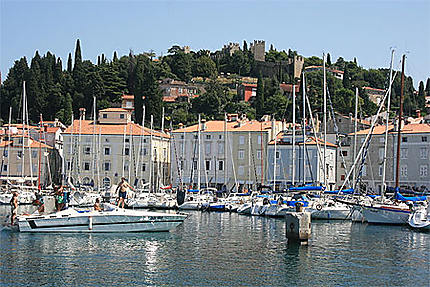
82,113
203,125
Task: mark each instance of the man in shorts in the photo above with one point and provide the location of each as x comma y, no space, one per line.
122,188
14,207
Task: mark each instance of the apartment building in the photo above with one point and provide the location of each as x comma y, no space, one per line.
23,157
99,154
280,154
414,166
232,151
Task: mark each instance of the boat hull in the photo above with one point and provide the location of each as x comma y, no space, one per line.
100,223
385,215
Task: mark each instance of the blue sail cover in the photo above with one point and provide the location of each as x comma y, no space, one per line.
305,188
398,196
193,190
344,191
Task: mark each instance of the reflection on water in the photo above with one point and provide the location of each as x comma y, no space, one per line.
220,249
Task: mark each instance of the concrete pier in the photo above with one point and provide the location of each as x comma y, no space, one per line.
298,226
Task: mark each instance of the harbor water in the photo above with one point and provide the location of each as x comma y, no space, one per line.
219,249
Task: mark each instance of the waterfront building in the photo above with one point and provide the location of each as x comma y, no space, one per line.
232,151
23,157
375,95
100,154
174,90
314,161
414,157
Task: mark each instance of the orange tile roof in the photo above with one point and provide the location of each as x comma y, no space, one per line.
373,89
218,126
309,141
128,97
114,110
87,128
34,144
407,129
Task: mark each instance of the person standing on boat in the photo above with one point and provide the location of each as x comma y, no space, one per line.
14,207
122,188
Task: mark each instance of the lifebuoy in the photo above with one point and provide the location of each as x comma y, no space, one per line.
318,207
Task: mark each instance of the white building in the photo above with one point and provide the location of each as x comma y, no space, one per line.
100,154
233,151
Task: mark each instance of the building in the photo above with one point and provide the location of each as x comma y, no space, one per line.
346,124
247,91
100,154
375,95
258,49
314,169
414,157
232,151
114,116
230,48
287,89
173,90
127,102
336,73
23,157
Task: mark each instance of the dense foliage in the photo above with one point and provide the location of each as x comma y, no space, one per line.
57,93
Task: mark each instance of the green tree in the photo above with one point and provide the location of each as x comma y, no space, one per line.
328,59
259,102
421,96
69,63
205,67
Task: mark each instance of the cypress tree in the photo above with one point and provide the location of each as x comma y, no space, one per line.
328,59
421,101
259,101
69,63
115,56
98,60
78,55
428,87
245,46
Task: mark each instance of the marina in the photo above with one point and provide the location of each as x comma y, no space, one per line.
220,249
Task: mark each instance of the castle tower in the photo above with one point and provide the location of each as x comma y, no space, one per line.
258,49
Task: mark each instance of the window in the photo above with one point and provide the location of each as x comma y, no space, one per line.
194,164
19,168
241,170
381,170
423,170
5,167
220,165
69,165
34,154
121,116
105,116
143,167
404,171
208,148
208,165
381,153
342,177
182,164
404,139
19,154
145,151
87,150
364,170
86,166
423,153
404,153
107,166
259,139
258,169
86,181
381,139
259,154
424,139
241,139
344,152
126,166
220,137
220,148
5,153
127,140
20,140
126,151
208,137
277,154
241,154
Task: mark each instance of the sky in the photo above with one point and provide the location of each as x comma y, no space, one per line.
366,29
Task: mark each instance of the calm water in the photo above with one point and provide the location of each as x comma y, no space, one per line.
219,249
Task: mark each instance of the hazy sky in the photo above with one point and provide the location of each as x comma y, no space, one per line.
362,29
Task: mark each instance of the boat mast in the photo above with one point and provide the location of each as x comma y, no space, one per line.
325,123
199,154
304,130
399,127
384,164
225,151
40,154
8,146
293,176
274,159
150,153
249,160
23,130
355,135
94,144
